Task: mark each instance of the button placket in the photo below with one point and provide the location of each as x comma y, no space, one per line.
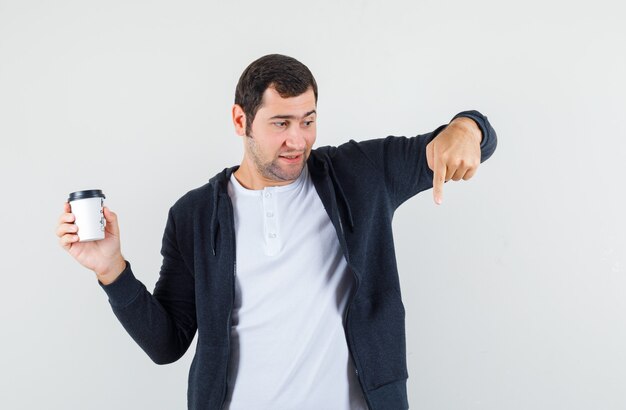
272,239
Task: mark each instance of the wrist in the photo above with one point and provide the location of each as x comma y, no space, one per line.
111,272
470,127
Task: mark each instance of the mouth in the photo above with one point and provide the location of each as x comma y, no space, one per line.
291,158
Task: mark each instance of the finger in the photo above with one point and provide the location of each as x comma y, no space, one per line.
439,175
458,174
68,240
450,171
66,228
67,216
470,173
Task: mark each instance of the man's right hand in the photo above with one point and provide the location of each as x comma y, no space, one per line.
104,257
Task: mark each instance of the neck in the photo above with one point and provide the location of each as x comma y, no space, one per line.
250,178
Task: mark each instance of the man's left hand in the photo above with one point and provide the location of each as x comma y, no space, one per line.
454,154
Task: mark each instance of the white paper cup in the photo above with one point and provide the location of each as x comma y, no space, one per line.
87,209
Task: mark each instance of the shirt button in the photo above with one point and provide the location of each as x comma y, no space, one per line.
267,194
272,235
269,214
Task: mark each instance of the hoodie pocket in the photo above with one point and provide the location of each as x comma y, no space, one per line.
379,340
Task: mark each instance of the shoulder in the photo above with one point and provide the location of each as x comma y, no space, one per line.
193,198
350,161
203,196
348,150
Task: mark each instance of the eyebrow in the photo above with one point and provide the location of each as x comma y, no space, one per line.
291,117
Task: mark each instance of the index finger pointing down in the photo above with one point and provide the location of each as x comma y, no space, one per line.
439,178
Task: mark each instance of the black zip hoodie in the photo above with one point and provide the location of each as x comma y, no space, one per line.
360,184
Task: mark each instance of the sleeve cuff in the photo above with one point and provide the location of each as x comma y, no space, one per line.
123,290
479,120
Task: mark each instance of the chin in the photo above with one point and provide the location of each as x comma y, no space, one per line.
289,174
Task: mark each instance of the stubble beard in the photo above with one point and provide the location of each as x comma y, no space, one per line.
272,170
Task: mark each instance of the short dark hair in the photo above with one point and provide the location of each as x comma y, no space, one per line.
286,75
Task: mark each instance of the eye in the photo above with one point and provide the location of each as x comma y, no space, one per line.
281,124
307,123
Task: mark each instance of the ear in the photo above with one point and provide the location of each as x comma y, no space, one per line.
239,120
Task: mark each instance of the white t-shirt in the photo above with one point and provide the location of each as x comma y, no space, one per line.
292,283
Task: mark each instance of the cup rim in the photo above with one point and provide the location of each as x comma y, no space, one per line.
85,194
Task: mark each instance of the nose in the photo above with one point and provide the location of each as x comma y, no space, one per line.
296,141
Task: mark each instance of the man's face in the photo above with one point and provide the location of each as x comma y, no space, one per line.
282,135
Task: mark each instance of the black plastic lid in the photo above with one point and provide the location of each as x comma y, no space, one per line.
90,193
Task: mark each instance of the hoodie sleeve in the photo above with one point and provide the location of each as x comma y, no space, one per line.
402,160
163,323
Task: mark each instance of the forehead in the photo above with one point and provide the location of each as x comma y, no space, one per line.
274,104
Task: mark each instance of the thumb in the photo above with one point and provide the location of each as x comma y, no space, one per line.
430,153
111,221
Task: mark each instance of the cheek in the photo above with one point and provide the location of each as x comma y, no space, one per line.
310,136
266,143
272,147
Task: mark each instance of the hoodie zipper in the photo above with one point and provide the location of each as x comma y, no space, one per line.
345,319
356,281
228,322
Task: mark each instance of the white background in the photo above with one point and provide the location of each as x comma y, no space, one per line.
514,288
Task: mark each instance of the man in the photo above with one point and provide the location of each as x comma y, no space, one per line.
285,264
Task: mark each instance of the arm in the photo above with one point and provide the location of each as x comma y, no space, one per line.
404,161
162,324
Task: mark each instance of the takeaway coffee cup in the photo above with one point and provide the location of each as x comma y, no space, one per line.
87,209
